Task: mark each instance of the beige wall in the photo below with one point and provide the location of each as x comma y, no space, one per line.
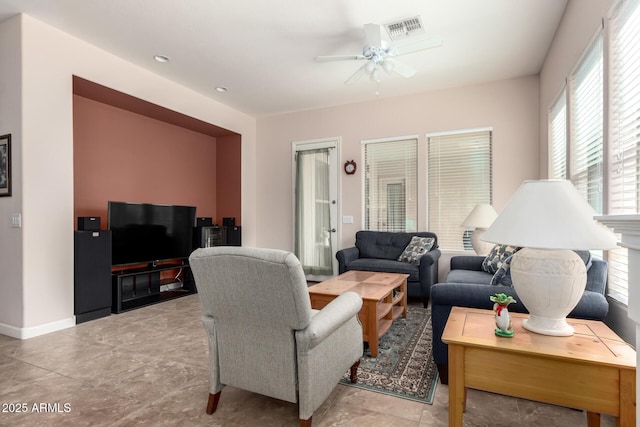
10,112
510,107
41,279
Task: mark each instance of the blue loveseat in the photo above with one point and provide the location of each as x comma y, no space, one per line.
380,250
467,285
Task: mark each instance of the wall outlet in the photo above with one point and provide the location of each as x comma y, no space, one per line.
347,219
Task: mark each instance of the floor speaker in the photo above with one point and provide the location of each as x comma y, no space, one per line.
88,223
204,222
92,275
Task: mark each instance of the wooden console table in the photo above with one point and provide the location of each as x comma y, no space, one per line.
384,299
593,370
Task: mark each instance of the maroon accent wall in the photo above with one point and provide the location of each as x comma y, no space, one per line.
228,178
124,156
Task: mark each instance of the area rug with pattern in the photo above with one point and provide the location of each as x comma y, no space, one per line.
404,366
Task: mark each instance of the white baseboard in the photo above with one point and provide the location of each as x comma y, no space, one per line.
26,333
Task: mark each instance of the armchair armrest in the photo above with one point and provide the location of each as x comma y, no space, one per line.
345,256
467,262
330,318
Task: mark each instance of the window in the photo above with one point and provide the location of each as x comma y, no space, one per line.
621,177
390,184
459,173
624,131
586,126
624,141
558,138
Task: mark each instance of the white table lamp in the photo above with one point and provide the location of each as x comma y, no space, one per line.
549,219
480,218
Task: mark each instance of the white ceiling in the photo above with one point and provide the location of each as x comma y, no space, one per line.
263,51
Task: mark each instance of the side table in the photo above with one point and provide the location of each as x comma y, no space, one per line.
593,370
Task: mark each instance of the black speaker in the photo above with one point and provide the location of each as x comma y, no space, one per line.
229,221
92,275
232,236
204,222
88,223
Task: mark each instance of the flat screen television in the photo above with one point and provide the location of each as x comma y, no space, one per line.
147,233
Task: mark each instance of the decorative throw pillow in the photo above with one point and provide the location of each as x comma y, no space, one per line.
503,275
497,256
417,247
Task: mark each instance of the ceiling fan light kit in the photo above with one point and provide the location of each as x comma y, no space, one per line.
378,53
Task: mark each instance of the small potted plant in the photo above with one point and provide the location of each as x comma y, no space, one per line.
503,321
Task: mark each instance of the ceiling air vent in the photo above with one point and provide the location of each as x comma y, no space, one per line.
405,28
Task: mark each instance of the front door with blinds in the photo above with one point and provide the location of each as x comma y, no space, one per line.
315,207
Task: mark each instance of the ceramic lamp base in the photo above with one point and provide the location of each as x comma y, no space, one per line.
549,283
555,327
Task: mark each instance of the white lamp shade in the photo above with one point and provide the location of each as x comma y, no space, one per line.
482,216
549,214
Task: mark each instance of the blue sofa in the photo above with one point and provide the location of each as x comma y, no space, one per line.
379,251
467,285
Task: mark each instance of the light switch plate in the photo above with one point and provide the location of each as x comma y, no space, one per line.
16,220
347,219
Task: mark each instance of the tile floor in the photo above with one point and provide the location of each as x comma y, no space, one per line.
148,367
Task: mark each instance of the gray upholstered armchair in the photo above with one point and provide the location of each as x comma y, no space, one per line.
263,335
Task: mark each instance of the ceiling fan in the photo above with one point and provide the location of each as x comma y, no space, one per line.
378,55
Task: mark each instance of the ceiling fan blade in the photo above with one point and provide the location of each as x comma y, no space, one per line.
338,58
373,35
356,76
419,45
403,69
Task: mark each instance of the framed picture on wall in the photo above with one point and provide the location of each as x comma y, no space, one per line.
5,165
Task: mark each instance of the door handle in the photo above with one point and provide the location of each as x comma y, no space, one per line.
333,230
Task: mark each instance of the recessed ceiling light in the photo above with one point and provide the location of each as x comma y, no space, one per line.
161,58
221,89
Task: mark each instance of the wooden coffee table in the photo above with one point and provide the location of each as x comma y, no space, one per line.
384,299
593,370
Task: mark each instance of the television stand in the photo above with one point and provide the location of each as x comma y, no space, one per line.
138,287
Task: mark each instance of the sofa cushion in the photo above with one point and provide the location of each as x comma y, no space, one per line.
497,256
385,265
469,276
381,245
417,247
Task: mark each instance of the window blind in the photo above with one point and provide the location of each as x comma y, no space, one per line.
586,125
624,125
390,185
558,138
624,130
459,173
